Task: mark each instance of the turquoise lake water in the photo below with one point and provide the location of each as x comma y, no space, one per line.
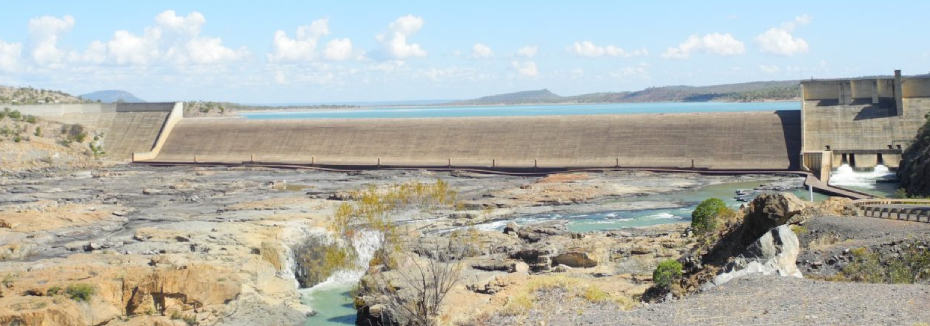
524,110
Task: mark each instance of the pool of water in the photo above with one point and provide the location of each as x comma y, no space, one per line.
523,110
684,203
332,303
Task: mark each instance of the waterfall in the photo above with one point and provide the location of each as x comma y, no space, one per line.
366,243
846,176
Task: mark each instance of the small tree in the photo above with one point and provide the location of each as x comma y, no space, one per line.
704,217
666,273
429,275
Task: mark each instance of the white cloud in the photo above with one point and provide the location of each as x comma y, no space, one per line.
639,71
769,69
528,51
9,55
780,41
127,48
481,51
301,48
716,43
588,49
394,41
209,50
526,68
577,73
173,39
338,49
43,35
279,78
96,53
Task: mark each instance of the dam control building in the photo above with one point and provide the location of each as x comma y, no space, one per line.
861,122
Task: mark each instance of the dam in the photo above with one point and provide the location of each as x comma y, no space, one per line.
861,122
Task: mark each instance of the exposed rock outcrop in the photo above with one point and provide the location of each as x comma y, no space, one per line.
771,210
914,170
774,253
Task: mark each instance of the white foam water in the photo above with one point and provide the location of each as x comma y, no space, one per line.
846,176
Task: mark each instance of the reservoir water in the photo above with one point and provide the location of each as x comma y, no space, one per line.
523,110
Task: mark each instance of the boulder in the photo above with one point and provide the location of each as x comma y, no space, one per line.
575,259
770,210
511,227
775,253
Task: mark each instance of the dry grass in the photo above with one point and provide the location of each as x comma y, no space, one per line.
521,303
824,242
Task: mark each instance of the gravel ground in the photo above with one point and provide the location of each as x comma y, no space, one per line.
827,239
762,300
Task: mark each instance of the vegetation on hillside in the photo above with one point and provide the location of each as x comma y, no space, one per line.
29,95
914,170
210,108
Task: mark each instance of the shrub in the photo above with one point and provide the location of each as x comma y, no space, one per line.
74,133
15,115
704,217
38,132
31,119
666,273
55,290
80,292
17,138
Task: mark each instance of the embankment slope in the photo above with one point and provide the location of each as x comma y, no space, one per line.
743,140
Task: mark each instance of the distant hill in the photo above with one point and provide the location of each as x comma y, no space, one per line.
540,96
112,96
742,92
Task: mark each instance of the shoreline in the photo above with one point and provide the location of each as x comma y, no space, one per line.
443,106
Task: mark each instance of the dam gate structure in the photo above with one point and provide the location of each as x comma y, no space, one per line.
862,122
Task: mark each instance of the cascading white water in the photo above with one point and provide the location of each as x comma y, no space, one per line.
365,243
846,176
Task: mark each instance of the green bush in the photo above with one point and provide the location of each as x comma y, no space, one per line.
80,292
704,217
55,290
15,115
31,119
75,133
38,132
666,273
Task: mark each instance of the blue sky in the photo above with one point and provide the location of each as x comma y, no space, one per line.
348,51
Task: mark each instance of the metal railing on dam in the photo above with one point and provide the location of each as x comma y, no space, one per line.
710,141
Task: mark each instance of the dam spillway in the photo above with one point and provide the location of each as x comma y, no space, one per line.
716,141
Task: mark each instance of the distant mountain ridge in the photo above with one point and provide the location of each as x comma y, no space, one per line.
742,92
112,96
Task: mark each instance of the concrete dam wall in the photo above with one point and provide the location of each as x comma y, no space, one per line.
720,141
127,127
861,122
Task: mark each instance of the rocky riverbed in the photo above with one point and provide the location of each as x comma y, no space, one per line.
175,245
